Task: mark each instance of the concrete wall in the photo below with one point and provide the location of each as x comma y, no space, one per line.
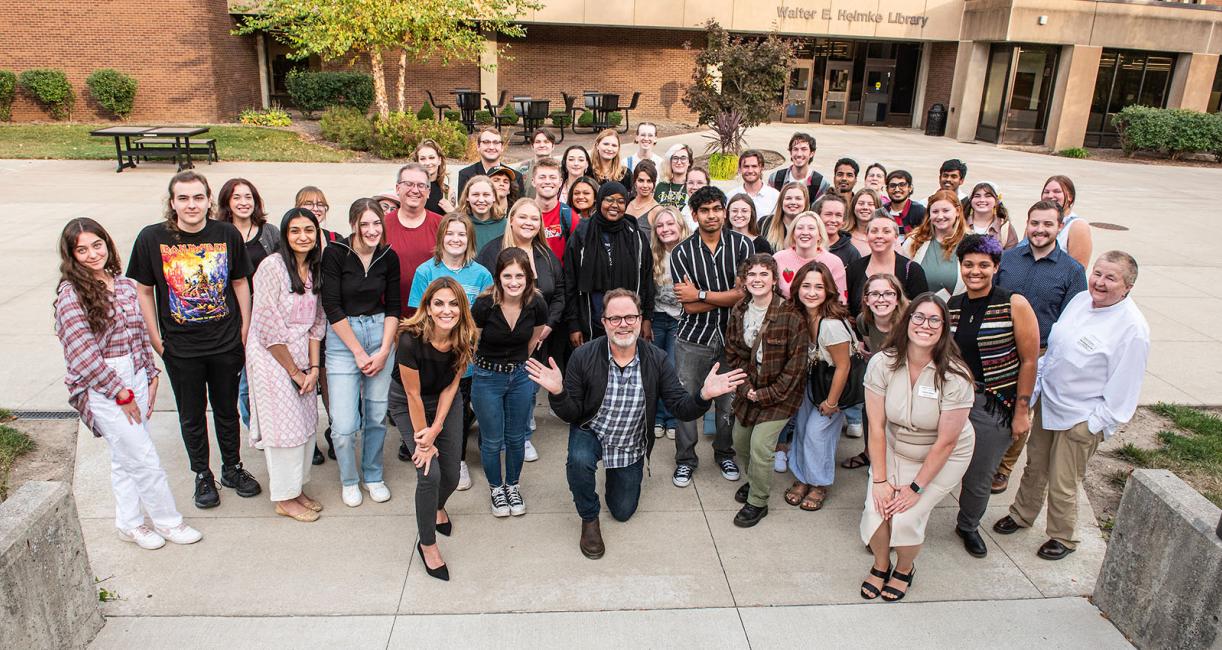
1159,582
971,66
47,594
1191,81
1071,97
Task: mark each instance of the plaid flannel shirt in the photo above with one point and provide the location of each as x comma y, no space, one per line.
779,379
622,414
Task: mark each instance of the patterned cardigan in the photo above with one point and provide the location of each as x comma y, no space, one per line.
779,379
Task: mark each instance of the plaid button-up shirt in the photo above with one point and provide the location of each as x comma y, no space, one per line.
622,414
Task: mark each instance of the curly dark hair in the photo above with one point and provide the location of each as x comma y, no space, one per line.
90,291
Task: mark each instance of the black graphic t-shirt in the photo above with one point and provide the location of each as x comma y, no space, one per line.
193,274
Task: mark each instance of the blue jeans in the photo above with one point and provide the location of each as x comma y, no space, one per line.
664,329
244,399
853,414
502,402
623,489
358,402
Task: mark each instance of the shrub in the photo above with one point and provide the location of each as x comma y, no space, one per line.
560,119
615,118
723,166
1074,152
50,87
586,119
483,117
347,127
8,88
426,112
1174,132
508,115
453,116
115,91
397,135
274,116
315,91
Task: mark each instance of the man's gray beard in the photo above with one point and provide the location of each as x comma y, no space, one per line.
615,340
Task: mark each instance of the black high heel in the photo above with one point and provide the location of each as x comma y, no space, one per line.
447,528
441,573
895,594
869,591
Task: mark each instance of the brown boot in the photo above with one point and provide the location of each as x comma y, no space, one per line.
592,540
1000,483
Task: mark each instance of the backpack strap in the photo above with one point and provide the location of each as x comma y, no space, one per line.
566,220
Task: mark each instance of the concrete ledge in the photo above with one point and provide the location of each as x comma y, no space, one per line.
47,595
1159,583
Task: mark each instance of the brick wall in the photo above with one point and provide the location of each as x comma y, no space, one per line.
554,60
189,68
941,75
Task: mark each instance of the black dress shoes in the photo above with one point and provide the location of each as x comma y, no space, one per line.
1006,526
750,515
1054,550
973,543
741,495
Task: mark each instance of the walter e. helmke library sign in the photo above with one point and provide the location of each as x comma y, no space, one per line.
851,16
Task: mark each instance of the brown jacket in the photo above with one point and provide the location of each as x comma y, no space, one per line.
780,379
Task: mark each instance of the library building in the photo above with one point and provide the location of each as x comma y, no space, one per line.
1049,73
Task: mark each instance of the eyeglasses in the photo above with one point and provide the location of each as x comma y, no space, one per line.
918,319
615,321
679,158
875,295
897,186
315,205
413,186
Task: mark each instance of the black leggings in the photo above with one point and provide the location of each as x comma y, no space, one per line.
435,488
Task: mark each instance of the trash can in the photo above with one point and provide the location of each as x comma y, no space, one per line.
935,120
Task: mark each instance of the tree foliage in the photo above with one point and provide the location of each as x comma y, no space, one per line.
425,30
737,75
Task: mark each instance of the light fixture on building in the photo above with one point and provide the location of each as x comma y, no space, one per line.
1043,20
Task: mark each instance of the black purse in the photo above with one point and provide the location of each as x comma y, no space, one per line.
819,382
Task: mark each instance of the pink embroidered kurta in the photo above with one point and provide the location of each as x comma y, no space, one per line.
279,415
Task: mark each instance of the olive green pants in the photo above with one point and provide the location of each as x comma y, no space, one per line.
761,441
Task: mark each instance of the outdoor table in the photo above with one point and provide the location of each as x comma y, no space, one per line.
467,101
182,141
608,103
534,113
123,149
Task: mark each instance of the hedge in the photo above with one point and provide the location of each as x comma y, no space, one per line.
49,87
397,136
8,88
113,90
315,91
1173,132
275,116
347,127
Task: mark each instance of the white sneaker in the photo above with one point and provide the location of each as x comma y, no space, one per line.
500,501
378,492
464,476
181,534
143,537
659,431
517,507
532,420
352,495
531,454
780,464
854,430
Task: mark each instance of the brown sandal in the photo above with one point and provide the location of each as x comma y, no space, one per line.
814,499
796,492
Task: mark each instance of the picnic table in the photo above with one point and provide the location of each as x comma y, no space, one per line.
158,142
467,101
602,105
534,113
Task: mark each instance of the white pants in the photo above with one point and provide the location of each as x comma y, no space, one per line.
288,469
135,470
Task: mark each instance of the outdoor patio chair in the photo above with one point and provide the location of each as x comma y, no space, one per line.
636,96
439,109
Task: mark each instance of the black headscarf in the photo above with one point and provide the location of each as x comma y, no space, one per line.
597,272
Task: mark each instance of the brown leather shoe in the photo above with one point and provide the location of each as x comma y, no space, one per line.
1000,483
592,540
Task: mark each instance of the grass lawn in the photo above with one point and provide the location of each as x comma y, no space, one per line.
1194,453
233,142
13,443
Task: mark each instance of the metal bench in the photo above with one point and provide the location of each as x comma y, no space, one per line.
172,148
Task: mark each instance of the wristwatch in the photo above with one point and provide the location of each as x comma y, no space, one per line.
914,487
702,295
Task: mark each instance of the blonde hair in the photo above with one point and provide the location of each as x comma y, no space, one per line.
443,226
777,232
464,207
607,171
510,239
924,232
667,173
461,337
661,259
819,228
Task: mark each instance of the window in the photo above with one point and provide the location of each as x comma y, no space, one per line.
1126,78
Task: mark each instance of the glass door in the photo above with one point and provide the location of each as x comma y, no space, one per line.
797,91
836,87
996,86
1030,94
876,95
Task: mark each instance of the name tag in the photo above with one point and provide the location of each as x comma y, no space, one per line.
1089,343
927,391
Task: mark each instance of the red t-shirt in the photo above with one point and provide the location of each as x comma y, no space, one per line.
554,231
412,245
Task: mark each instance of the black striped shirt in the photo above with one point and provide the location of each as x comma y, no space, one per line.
709,271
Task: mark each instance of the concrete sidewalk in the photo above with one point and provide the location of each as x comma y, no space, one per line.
1019,624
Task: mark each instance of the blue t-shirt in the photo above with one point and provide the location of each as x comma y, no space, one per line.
473,277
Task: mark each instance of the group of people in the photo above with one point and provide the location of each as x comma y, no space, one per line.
797,309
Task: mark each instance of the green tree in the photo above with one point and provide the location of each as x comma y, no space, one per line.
423,30
737,83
